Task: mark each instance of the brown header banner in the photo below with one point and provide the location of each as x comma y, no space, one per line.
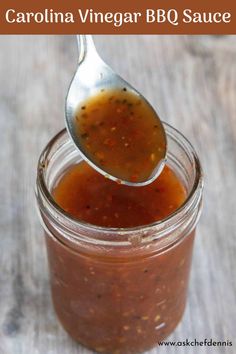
118,17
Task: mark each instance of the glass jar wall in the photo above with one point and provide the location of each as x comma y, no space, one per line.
119,290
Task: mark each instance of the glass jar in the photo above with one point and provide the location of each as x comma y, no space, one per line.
119,291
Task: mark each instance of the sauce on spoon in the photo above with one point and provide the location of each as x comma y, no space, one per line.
120,133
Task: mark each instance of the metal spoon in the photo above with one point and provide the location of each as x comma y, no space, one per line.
93,74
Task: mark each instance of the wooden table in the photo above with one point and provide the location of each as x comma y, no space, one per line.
191,80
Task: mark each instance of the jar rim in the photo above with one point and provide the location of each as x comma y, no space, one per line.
184,208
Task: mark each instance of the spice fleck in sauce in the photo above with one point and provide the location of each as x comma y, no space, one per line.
120,133
87,195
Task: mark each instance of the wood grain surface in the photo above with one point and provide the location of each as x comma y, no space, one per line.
191,81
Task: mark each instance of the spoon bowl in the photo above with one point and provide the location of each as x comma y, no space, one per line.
92,76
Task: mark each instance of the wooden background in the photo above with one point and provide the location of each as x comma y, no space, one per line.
191,80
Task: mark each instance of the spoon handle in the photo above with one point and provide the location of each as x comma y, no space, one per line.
86,46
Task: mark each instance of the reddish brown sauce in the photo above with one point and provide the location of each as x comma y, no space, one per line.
117,305
119,132
112,300
87,195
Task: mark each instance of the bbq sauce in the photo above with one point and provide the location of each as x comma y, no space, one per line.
120,133
90,197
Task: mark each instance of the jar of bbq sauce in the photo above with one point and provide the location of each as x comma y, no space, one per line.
119,290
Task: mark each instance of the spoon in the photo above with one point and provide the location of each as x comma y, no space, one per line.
92,76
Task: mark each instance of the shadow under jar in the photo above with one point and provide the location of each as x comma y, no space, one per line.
119,291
